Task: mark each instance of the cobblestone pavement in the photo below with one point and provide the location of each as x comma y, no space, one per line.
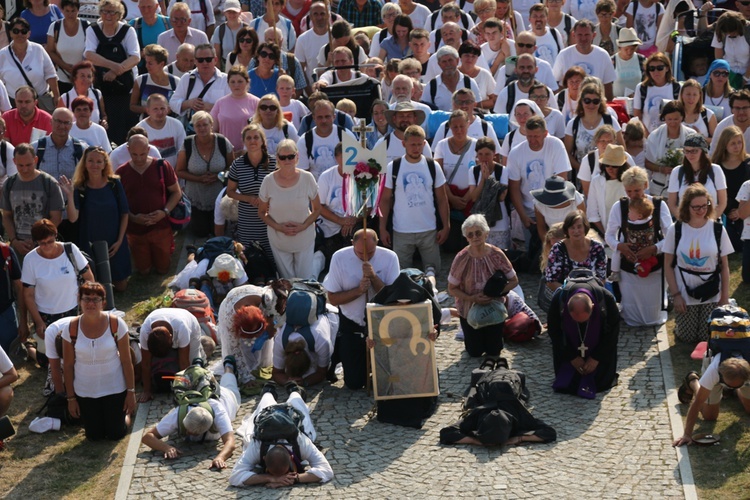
617,446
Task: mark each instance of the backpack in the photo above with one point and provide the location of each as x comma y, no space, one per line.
512,96
84,24
113,50
222,32
221,140
41,148
583,278
142,79
681,175
577,123
558,42
259,268
193,386
277,423
394,175
626,265
179,216
675,92
729,332
214,247
309,140
7,257
68,248
498,175
305,303
73,328
196,302
433,89
500,384
439,37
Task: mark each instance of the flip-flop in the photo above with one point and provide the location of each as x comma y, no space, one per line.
706,439
685,393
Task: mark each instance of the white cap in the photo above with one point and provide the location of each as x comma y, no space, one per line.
232,5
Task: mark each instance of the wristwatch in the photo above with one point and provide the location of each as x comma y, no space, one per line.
166,211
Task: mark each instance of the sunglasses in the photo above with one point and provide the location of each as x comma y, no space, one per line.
268,107
22,31
246,40
263,53
722,73
525,45
287,157
659,67
204,59
588,100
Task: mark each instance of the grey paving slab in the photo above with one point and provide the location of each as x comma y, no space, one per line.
617,446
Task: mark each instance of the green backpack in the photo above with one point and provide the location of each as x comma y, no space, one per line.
191,387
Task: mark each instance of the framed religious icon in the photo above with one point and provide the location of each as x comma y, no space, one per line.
403,359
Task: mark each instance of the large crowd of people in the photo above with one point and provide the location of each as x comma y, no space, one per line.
559,130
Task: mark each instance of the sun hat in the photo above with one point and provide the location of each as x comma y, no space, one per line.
613,155
225,263
404,107
556,191
628,37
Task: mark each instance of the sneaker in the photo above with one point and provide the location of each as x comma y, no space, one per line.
270,387
199,362
292,386
614,277
430,272
459,334
231,361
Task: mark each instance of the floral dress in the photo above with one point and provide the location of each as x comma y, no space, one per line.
560,264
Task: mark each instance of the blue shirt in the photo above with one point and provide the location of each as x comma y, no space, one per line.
260,86
40,24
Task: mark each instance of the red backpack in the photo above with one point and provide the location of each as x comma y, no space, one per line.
198,305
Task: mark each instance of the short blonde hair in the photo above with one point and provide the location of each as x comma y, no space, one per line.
347,106
114,4
635,176
201,115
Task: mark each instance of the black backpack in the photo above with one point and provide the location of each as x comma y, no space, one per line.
583,278
113,50
681,175
500,384
220,139
309,140
41,148
279,424
626,265
511,101
433,89
214,247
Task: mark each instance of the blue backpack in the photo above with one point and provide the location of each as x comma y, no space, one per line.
729,332
306,302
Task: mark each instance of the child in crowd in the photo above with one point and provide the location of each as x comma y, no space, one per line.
640,235
285,91
347,106
635,136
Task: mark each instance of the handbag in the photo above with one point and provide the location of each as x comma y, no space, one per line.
179,216
495,285
706,290
456,214
45,101
483,315
520,328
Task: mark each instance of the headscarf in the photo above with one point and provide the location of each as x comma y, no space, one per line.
717,64
535,109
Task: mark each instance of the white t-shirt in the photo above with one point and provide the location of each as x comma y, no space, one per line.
450,162
95,134
170,426
501,104
55,329
654,98
227,43
549,45
584,139
98,370
121,155
321,157
323,331
50,276
298,111
744,195
216,91
199,20
330,188
581,9
306,51
629,74
645,22
5,363
476,130
275,135
696,252
186,331
346,272
489,55
726,122
555,124
168,140
712,186
532,168
36,64
444,97
10,165
736,52
413,205
70,48
543,75
699,125
553,215
596,63
504,223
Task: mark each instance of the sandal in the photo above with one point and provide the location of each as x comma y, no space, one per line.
685,393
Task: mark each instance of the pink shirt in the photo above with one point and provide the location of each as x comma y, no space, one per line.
232,115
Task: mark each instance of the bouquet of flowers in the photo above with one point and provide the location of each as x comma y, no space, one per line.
672,158
364,188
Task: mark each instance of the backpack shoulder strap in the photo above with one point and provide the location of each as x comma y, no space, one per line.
485,127
675,85
77,150
68,247
188,147
511,97
191,85
222,142
431,168
309,143
558,42
222,32
677,237
285,130
592,161
3,153
73,330
394,172
56,28
704,115
98,32
113,325
433,90
644,94
635,9
658,200
41,147
561,99
576,124
138,26
624,202
607,119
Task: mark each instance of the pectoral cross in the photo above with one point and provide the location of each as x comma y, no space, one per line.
582,349
362,130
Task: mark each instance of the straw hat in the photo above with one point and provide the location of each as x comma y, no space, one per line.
628,37
613,155
403,107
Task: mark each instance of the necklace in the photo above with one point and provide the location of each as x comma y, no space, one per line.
263,81
582,336
714,103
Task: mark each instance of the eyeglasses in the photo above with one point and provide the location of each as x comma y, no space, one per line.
108,12
588,100
179,20
474,234
268,107
691,151
286,157
700,208
538,97
263,53
720,73
91,300
658,67
204,59
246,40
464,102
21,31
525,45
67,123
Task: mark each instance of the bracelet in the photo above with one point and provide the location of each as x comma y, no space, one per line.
296,478
131,390
676,294
72,399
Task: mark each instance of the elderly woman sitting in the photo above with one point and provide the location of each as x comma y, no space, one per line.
470,271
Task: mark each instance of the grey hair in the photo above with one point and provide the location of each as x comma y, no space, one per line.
198,420
446,50
634,176
475,220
